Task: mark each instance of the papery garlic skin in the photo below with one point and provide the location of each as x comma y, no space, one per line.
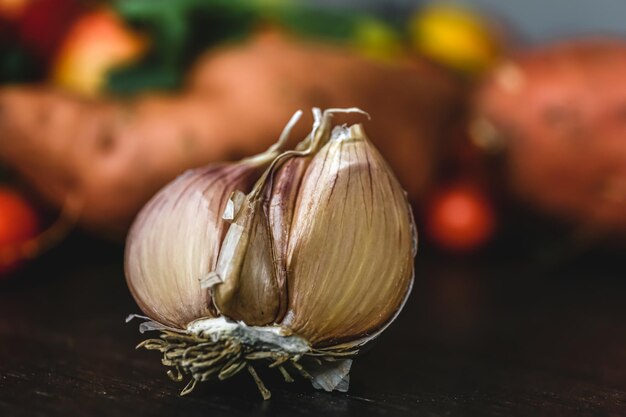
175,241
351,248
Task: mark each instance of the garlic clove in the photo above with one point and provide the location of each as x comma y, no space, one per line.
248,290
173,246
351,247
244,284
285,178
175,241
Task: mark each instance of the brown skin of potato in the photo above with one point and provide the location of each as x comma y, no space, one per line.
561,113
113,155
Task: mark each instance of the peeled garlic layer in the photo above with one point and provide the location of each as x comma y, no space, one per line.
283,256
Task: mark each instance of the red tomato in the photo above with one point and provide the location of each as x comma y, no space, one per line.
460,218
43,24
18,225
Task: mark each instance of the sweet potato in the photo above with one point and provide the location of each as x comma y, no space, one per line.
560,112
112,155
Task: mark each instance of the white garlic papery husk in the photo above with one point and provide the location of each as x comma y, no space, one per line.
315,261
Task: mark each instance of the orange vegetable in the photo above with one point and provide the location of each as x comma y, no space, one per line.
96,43
113,155
558,114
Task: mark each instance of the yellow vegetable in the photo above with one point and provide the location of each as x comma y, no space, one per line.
455,37
377,40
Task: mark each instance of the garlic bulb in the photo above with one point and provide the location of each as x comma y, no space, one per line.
313,262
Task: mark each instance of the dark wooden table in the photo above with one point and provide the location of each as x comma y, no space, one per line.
490,336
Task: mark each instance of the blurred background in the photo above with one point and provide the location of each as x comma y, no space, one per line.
537,20
504,121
